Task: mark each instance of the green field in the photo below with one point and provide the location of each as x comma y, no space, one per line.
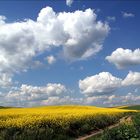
3,107
132,107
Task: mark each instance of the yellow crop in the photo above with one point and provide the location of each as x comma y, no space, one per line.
58,115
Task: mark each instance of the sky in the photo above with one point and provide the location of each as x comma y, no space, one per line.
55,52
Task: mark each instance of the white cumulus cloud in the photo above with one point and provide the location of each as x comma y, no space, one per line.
101,83
2,19
50,89
127,15
5,80
123,58
133,78
69,2
113,100
62,100
78,33
28,93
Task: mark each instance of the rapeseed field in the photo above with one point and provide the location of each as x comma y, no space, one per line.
55,122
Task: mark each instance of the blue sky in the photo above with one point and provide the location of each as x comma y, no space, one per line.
86,52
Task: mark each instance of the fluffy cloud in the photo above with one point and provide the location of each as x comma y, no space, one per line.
87,35
127,15
113,100
62,101
104,100
110,100
133,78
96,100
101,83
104,83
50,59
2,19
28,93
50,89
129,99
5,80
95,88
57,94
69,2
123,58
78,33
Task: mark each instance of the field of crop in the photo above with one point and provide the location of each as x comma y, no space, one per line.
132,107
128,130
55,122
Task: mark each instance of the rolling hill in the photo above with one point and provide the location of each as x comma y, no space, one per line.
131,107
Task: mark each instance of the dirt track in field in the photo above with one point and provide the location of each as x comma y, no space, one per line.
100,131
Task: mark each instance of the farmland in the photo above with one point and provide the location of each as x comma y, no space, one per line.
132,107
55,122
129,129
